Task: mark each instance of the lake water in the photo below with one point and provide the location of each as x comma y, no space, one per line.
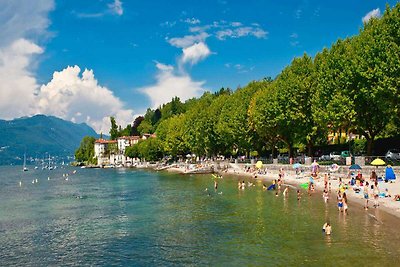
141,218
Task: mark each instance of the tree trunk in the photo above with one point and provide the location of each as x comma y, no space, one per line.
370,145
290,149
310,149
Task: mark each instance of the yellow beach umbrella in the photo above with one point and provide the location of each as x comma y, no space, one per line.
378,162
259,164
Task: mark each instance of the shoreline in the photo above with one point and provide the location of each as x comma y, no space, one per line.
387,205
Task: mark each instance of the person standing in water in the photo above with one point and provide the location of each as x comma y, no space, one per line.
366,195
340,201
286,191
327,228
298,195
345,207
215,185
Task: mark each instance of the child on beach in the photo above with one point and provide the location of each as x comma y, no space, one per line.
345,206
366,195
340,201
376,194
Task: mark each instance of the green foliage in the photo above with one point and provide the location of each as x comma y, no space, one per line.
85,152
150,149
114,133
359,146
352,86
132,151
145,127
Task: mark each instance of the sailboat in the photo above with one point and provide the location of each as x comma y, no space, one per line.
24,168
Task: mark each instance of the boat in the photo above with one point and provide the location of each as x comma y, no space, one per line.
24,168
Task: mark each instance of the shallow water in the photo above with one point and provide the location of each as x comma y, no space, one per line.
141,218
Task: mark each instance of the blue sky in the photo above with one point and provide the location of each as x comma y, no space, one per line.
139,54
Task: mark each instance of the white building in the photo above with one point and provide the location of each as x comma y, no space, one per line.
125,141
101,150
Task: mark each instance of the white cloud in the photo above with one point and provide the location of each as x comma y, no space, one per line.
168,24
116,7
375,13
192,21
298,13
67,95
195,53
20,21
72,96
236,24
23,19
241,32
168,85
187,40
18,84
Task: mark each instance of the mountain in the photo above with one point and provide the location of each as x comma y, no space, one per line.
39,136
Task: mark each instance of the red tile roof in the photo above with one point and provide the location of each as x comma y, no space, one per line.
103,141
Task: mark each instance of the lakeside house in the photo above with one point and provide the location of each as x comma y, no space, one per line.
112,152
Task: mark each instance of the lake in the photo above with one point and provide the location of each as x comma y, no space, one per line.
129,217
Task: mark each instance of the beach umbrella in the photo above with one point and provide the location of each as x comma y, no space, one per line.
296,165
259,164
355,167
378,162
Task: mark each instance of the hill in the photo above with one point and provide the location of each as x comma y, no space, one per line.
39,136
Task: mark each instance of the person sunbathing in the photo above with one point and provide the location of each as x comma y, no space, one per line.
397,197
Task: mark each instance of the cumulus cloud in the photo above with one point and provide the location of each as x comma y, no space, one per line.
20,22
188,40
80,98
18,84
116,7
375,13
195,53
68,95
169,84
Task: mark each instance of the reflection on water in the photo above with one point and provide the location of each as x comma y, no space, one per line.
131,217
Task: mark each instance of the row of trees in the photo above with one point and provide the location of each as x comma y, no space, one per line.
352,86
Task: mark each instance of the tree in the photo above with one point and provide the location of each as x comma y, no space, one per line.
233,122
136,124
85,152
171,133
114,133
132,151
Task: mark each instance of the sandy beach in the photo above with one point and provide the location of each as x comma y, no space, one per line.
356,200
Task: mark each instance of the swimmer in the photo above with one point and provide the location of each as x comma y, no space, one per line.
276,194
264,187
327,228
20,183
325,195
286,191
